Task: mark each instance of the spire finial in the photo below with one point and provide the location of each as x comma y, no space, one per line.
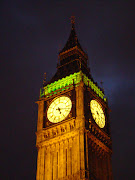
72,21
102,85
44,80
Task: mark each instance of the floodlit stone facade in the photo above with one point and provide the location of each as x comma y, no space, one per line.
75,148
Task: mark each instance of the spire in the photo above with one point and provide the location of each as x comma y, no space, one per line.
72,40
71,58
73,21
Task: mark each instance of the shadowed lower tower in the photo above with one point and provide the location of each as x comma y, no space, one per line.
73,127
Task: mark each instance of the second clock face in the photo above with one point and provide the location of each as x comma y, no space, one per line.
59,109
97,113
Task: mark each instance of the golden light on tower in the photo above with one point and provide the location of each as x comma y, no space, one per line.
73,127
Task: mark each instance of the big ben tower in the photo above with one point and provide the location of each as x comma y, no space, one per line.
73,127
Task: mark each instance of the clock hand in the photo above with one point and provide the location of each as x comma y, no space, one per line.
97,113
58,110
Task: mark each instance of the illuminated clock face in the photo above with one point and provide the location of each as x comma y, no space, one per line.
97,113
59,109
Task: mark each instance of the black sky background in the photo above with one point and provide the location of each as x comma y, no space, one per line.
31,34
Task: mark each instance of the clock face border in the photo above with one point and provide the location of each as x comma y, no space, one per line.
58,109
97,113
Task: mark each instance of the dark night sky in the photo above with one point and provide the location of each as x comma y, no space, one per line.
31,34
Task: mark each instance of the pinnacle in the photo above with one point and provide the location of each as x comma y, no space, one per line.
72,40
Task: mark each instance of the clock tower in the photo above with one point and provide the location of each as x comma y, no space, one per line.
73,127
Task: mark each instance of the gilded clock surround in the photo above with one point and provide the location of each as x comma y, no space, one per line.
76,147
70,93
97,113
59,109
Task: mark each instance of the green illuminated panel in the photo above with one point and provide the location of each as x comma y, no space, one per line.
69,80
